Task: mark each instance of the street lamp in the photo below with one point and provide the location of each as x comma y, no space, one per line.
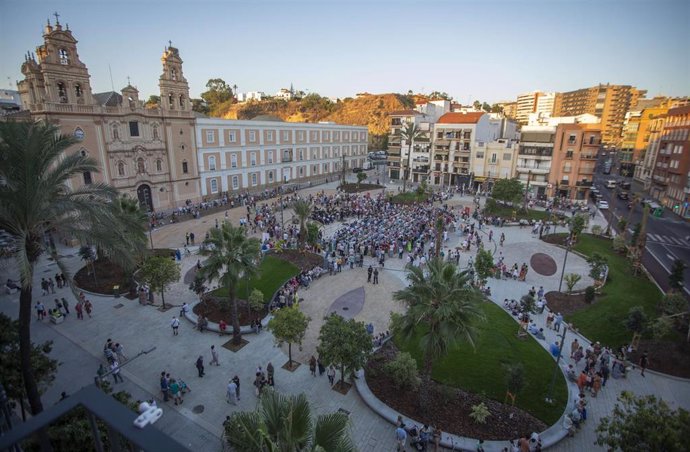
565,259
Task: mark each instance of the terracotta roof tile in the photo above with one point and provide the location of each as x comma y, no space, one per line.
461,118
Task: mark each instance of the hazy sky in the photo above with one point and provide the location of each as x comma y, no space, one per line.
488,50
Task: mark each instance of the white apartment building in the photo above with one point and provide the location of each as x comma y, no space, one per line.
494,160
534,102
286,94
535,153
399,148
540,119
256,154
250,95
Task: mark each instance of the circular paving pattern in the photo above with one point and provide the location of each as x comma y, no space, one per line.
543,264
349,304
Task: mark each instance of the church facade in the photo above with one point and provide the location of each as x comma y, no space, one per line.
147,153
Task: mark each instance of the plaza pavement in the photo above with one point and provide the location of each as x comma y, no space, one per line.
78,345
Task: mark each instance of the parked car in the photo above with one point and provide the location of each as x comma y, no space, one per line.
357,170
623,195
603,205
625,185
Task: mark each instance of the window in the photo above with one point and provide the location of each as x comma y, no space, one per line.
325,167
468,135
62,92
233,161
571,138
252,136
173,74
270,176
480,155
141,168
121,168
64,56
253,178
214,186
252,158
212,163
79,134
87,178
235,182
286,135
569,154
269,156
300,155
181,101
327,136
185,167
231,137
133,128
210,137
171,101
466,147
269,135
301,171
159,165
493,158
77,90
507,156
300,135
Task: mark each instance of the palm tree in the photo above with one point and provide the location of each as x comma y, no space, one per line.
36,200
302,209
285,424
409,133
444,306
232,256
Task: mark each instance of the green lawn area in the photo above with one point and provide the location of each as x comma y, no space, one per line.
410,196
482,371
603,320
273,273
507,212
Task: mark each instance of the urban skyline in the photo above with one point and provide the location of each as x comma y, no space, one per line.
354,53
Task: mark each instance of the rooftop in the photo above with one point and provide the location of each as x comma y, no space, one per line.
461,118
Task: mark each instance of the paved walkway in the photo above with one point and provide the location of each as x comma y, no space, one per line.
197,423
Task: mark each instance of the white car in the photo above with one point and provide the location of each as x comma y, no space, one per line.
603,205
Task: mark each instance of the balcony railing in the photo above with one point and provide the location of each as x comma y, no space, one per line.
584,183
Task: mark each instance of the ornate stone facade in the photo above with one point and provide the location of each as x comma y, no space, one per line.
147,153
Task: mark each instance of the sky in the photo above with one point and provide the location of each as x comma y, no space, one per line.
485,49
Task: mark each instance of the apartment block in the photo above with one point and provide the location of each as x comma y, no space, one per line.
671,176
534,102
535,153
266,152
575,154
643,171
608,102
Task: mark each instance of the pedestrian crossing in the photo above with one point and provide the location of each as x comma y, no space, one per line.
665,239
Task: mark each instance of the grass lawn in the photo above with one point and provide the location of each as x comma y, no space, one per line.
273,273
603,320
482,371
507,212
410,197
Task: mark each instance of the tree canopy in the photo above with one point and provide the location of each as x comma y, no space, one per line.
159,272
508,191
289,325
344,343
484,264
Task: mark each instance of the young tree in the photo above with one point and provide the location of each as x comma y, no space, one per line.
644,423
409,132
312,233
637,320
597,264
289,325
675,278
159,272
441,304
360,177
302,209
484,265
571,279
344,343
88,255
515,377
256,301
508,191
577,225
36,201
286,423
232,256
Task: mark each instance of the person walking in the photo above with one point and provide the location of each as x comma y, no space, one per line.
200,365
320,366
120,352
270,371
115,369
312,366
214,356
88,307
376,276
175,324
557,322
236,380
80,310
165,386
370,270
644,362
175,391
573,347
231,393
331,374
65,305
40,311
400,437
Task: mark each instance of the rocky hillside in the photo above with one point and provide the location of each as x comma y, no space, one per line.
369,110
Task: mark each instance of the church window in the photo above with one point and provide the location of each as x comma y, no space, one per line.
159,165
116,132
134,128
155,132
64,56
171,101
181,101
140,166
185,167
121,168
79,134
77,90
214,186
173,74
62,92
212,163
87,178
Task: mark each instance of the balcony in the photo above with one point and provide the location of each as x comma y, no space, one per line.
564,183
588,157
584,183
421,169
533,170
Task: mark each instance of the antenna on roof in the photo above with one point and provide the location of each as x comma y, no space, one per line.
112,85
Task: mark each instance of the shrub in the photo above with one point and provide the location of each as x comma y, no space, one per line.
597,230
515,377
590,293
661,327
597,263
637,319
571,279
480,413
403,371
618,243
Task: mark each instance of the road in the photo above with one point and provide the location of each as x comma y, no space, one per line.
668,237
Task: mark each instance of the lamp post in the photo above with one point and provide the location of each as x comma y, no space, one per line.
565,260
555,370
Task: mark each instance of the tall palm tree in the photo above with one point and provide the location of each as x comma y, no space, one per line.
302,209
232,256
442,304
409,133
285,424
36,200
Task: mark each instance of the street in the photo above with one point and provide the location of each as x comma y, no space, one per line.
667,236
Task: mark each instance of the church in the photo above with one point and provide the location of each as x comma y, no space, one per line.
147,153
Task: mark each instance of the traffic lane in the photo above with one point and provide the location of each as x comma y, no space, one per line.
665,255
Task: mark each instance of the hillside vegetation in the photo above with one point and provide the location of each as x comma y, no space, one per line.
368,110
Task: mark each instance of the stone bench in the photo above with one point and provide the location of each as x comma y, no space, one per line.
56,320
